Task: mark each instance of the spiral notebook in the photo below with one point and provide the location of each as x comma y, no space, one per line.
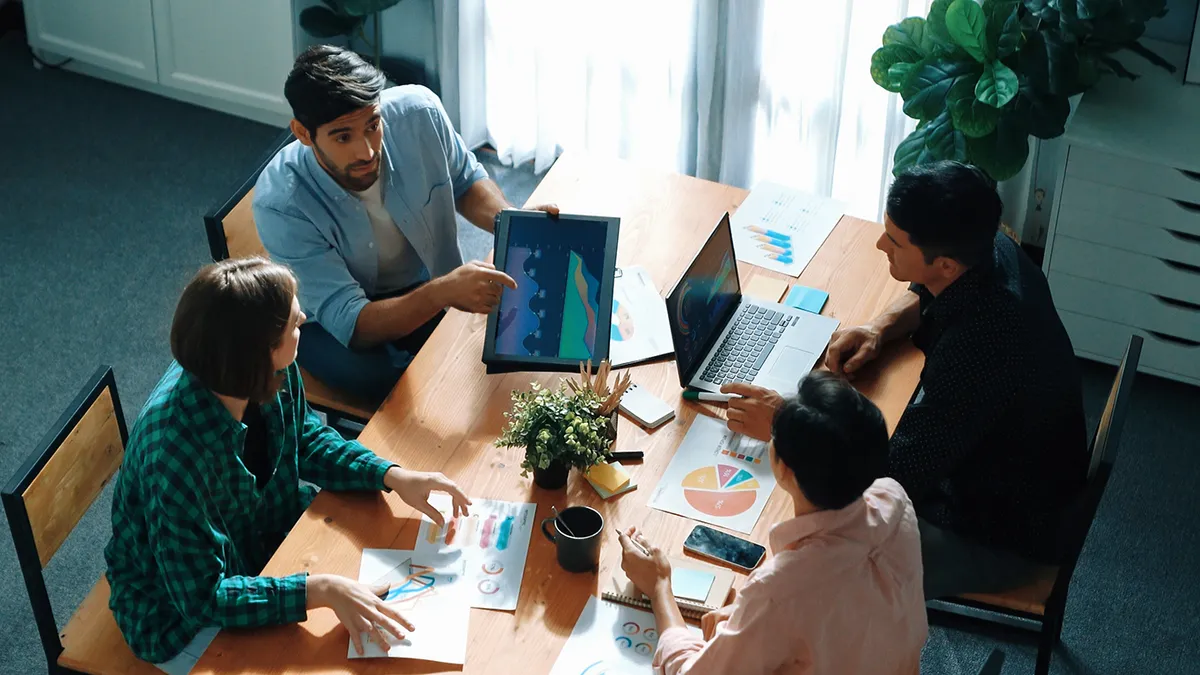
623,591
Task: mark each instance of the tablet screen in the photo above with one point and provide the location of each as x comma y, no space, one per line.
558,268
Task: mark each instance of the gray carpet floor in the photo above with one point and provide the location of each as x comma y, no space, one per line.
101,199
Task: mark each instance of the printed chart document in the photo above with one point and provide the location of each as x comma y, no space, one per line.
492,543
780,228
431,592
640,329
610,639
717,476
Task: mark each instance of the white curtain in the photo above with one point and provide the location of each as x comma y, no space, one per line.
738,91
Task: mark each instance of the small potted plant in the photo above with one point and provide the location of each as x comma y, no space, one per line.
571,426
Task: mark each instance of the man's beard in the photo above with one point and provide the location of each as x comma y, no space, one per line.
344,177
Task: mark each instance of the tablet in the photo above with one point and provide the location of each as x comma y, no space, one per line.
561,313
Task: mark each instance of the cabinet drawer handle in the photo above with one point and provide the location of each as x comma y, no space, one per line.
1194,175
1191,207
1175,340
1184,236
1178,303
1182,267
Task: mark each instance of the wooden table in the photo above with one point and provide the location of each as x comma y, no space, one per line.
445,413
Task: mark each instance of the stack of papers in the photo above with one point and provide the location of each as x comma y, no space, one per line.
472,561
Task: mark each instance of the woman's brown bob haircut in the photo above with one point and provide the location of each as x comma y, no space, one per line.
230,317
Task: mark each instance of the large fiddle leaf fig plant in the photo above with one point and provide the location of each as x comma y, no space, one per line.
983,77
335,18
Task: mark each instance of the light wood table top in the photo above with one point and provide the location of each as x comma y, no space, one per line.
445,413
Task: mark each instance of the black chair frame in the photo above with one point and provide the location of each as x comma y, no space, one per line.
18,517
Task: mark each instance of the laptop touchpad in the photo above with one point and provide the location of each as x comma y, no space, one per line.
790,365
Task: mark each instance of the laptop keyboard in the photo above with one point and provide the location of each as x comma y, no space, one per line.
746,346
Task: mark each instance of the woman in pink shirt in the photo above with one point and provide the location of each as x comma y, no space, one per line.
842,592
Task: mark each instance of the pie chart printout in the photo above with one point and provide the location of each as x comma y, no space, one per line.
721,490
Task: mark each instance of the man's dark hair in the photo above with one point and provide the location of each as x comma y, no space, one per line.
327,82
229,318
948,209
833,438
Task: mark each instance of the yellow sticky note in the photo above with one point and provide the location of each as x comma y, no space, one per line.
611,477
766,288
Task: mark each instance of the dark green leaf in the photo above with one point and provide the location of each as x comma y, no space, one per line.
1003,152
932,141
970,116
888,56
935,25
968,28
927,87
1044,115
1087,10
909,32
320,22
1046,10
366,7
997,86
1069,22
333,5
900,73
1003,27
1051,62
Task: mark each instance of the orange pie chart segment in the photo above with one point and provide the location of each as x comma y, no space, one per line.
720,504
704,478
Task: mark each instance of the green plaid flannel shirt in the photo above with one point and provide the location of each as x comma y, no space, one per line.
191,530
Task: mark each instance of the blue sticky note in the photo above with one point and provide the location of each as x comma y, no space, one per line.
807,299
690,584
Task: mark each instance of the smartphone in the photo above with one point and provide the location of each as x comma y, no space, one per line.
710,543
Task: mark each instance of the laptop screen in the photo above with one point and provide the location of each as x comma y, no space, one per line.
700,303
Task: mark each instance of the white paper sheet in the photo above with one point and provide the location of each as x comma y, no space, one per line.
781,229
610,639
640,329
492,542
717,477
431,592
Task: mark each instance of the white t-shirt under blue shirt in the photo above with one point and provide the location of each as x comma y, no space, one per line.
399,264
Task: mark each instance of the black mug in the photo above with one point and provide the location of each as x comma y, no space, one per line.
578,538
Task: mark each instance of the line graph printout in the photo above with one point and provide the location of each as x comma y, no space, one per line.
431,592
492,542
716,476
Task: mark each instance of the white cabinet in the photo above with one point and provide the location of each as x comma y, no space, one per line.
114,34
1123,252
230,55
233,50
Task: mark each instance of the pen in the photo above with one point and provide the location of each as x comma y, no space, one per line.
629,455
692,395
634,542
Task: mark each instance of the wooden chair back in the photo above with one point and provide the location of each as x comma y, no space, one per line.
58,483
1103,455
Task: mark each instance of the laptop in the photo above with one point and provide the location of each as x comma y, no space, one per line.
722,336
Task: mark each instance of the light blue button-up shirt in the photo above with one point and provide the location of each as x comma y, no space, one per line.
319,229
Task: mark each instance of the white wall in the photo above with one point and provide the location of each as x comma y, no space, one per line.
1177,25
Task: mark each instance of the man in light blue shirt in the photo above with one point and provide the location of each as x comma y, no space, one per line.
361,206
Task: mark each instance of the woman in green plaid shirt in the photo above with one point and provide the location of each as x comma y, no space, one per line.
210,484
